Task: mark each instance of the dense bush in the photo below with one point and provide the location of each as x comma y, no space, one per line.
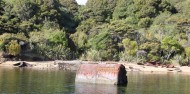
153,51
52,44
54,52
13,48
126,30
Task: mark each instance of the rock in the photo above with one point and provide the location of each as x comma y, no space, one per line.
22,64
102,74
174,70
131,67
149,64
155,64
178,69
170,69
170,66
140,64
67,66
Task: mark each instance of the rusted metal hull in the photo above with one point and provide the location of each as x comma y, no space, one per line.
102,74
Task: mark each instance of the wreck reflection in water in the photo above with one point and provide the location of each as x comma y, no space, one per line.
28,81
84,88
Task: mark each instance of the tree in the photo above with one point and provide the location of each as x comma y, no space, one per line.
13,48
170,47
24,9
187,52
121,9
130,46
52,44
80,37
101,9
153,50
70,5
141,9
183,7
1,7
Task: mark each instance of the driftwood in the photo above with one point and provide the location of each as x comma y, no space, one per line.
22,64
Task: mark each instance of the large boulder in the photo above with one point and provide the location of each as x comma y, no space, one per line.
102,74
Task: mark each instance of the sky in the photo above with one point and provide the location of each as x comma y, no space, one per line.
81,2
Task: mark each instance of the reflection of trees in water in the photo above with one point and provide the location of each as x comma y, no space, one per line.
26,81
8,80
83,88
157,83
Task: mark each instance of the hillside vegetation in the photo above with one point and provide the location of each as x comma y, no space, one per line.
115,30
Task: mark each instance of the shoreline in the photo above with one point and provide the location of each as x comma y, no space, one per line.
73,65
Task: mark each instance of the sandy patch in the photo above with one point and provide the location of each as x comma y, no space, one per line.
129,66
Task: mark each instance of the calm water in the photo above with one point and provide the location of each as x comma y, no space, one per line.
26,81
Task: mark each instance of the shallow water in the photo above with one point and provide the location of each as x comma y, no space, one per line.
28,81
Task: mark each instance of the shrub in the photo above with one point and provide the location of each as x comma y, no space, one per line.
145,22
152,49
54,52
13,48
179,59
130,46
51,44
91,55
170,47
1,44
126,57
10,43
99,55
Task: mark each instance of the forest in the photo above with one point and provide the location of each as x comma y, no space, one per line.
102,30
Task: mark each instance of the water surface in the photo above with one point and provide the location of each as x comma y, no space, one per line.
28,81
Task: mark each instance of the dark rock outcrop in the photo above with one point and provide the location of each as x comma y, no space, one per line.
22,64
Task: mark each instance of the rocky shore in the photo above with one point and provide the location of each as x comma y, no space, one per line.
73,65
42,65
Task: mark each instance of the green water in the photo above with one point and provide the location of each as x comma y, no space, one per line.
27,81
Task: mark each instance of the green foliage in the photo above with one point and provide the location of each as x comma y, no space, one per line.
105,44
9,36
126,57
54,52
161,19
183,7
99,30
13,48
121,9
187,52
30,15
141,9
170,46
52,44
101,9
58,37
145,22
153,50
70,5
180,59
99,41
130,46
81,36
91,55
1,45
